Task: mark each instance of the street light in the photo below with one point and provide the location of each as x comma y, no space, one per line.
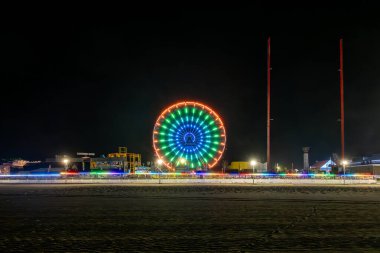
66,162
159,162
344,163
183,163
253,164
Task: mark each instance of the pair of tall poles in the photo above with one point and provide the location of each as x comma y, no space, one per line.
341,101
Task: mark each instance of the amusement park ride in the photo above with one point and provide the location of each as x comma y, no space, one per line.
189,136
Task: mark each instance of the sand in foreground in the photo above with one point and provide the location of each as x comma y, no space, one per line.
62,218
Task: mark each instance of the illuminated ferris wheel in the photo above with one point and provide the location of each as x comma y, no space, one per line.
189,134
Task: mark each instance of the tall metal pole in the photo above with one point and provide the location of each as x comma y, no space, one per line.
268,107
341,98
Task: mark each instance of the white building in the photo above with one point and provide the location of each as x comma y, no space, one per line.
324,165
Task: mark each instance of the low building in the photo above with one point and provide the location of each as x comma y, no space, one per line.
363,160
369,164
323,166
121,161
246,167
5,168
369,169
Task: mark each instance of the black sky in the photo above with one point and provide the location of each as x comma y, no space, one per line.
73,85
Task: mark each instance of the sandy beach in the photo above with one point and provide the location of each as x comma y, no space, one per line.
189,218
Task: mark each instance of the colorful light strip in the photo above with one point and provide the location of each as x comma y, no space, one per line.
32,175
206,174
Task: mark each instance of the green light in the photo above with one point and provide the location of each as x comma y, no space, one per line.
176,123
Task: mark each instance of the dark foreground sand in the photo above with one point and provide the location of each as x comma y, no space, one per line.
100,218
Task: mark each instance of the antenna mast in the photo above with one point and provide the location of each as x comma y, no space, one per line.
268,107
341,98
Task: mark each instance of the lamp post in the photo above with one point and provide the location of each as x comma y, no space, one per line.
182,161
344,163
253,164
159,162
66,162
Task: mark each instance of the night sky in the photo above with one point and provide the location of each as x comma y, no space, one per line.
71,85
